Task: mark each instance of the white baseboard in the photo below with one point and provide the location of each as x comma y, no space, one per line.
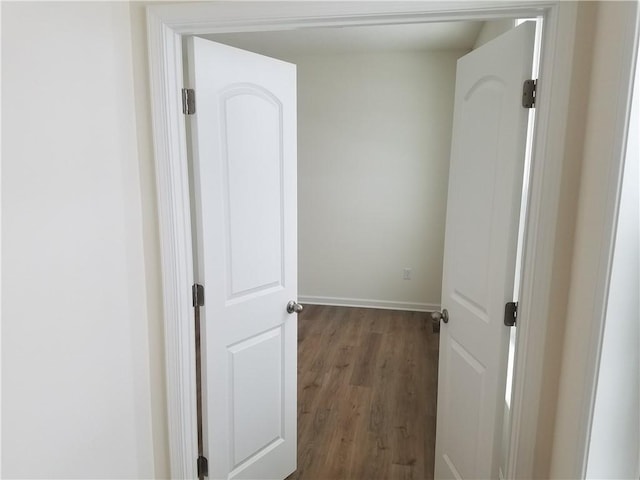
367,303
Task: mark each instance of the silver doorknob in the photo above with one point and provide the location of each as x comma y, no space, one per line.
294,307
436,317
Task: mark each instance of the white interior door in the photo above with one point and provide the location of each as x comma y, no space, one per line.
244,161
485,182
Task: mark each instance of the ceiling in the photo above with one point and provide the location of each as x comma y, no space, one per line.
335,40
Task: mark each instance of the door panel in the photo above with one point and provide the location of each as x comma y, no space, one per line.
252,140
256,373
485,181
244,171
467,375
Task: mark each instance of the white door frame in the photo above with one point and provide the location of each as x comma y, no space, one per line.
167,23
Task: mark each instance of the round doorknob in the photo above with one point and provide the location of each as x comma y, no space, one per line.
437,316
294,307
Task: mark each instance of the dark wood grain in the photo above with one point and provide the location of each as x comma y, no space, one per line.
367,384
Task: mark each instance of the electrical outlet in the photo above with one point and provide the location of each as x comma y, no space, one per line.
406,274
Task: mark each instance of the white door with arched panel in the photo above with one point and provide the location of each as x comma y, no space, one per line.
481,235
243,145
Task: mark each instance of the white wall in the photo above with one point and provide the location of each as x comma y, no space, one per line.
614,449
75,370
373,162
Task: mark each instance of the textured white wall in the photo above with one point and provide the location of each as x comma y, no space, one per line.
373,162
75,370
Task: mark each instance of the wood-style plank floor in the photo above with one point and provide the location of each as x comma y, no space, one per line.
367,384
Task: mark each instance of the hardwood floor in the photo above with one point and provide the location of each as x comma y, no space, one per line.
367,384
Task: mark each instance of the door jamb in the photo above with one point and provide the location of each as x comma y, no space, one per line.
166,24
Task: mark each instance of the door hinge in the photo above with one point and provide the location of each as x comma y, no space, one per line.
188,101
510,313
529,93
197,294
203,467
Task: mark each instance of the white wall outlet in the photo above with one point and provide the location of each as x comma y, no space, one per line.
406,274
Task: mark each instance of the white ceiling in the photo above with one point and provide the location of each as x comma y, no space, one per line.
412,37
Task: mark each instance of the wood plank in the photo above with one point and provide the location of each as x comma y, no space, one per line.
366,361
343,445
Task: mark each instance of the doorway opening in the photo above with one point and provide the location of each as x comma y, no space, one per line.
167,24
406,272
